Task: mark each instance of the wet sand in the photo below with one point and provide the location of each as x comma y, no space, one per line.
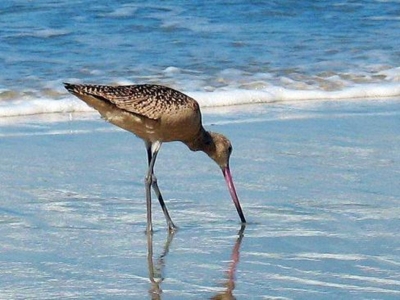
318,182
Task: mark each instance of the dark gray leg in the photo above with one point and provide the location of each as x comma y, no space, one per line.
151,155
171,225
152,151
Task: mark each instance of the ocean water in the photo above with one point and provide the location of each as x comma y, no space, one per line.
318,180
220,52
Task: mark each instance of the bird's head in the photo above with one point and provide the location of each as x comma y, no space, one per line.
219,149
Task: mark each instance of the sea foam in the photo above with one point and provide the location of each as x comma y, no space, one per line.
215,98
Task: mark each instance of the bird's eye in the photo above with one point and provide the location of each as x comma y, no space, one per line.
230,149
208,140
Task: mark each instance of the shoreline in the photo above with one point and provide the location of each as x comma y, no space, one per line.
89,113
212,100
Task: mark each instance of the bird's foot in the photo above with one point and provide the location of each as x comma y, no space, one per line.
172,228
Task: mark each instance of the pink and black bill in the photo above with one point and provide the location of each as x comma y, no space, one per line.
228,178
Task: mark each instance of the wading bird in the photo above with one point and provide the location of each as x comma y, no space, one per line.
159,114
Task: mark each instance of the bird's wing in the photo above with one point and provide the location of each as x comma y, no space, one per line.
151,101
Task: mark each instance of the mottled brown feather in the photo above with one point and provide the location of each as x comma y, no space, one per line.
151,101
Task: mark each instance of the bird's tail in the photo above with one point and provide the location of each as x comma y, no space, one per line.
101,92
71,87
81,89
89,94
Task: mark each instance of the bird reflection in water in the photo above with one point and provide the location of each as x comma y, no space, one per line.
229,283
156,268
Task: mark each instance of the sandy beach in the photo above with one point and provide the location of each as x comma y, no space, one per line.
318,182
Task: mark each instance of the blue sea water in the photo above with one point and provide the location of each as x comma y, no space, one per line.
318,180
221,52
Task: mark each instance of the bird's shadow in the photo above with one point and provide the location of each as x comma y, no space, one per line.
156,267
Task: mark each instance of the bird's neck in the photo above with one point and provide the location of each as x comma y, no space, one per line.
201,142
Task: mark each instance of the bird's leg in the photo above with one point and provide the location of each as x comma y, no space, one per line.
152,151
171,225
148,179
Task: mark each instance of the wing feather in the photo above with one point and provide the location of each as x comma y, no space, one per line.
151,101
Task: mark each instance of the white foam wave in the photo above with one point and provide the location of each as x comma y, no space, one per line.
46,33
218,97
122,12
41,106
275,94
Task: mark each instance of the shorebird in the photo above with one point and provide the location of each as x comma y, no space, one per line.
159,114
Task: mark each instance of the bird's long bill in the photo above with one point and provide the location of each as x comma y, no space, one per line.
228,178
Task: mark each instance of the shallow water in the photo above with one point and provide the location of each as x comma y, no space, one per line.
317,182
228,53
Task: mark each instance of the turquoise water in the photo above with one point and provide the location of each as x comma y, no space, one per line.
285,50
317,180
